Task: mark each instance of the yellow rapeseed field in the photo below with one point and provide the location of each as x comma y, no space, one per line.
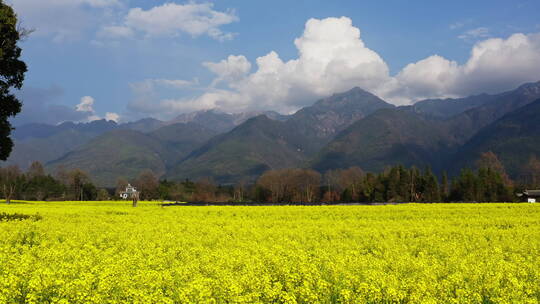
109,252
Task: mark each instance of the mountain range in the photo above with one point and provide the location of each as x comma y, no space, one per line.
354,128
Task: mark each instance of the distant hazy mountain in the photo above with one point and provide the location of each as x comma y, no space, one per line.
144,125
388,137
246,152
118,153
38,142
468,123
446,108
222,122
262,143
126,153
404,136
180,139
514,138
354,128
317,124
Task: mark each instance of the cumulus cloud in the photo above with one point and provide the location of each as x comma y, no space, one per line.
333,58
494,65
86,104
231,69
171,19
112,117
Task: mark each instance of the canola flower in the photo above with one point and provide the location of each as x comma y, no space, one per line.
109,252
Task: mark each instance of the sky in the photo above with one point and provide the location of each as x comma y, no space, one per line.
124,60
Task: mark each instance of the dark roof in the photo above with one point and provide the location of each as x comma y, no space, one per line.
532,192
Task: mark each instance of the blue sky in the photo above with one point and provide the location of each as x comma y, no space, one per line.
137,59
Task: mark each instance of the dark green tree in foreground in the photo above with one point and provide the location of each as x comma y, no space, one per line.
11,75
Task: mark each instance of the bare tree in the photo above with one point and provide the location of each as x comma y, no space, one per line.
36,170
240,190
121,184
351,179
310,185
62,175
532,171
77,178
147,184
333,186
274,181
205,190
8,178
489,160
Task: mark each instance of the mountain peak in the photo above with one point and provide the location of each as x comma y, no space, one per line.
531,88
356,97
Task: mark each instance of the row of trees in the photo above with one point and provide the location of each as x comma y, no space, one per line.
489,183
35,184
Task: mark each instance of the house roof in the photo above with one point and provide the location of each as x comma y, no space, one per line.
130,189
532,192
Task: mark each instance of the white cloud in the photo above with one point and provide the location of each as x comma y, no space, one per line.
112,117
333,58
494,65
480,32
231,69
171,19
86,104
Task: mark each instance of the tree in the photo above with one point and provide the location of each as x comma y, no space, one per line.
103,195
444,186
147,184
121,185
36,170
78,182
489,160
430,187
532,171
302,185
240,190
205,190
9,179
12,72
350,180
333,187
273,181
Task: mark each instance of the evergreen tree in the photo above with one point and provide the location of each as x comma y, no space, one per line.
12,71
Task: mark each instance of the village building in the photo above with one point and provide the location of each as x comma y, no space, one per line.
531,196
129,192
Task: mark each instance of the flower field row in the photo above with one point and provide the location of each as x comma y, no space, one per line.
108,252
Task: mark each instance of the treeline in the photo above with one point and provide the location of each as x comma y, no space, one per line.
488,183
35,184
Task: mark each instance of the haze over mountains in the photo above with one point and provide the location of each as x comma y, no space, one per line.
354,128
